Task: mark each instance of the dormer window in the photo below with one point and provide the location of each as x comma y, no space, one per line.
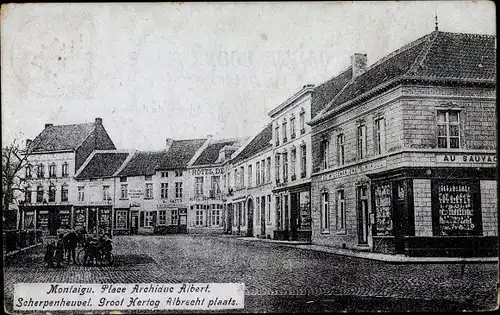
52,170
65,169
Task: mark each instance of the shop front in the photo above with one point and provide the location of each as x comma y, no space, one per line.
293,213
49,219
171,219
121,225
93,219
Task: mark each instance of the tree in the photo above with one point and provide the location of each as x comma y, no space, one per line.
14,160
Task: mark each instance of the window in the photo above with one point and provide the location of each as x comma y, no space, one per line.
28,171
268,169
164,190
40,171
341,213
257,173
174,214
148,218
52,170
257,210
277,168
361,144
81,193
124,191
216,215
65,169
199,186
123,179
105,193
39,193
379,135
64,193
148,177
284,132
325,212
27,194
199,218
262,172
216,184
164,174
448,123
244,213
340,149
149,190
250,175
292,127
162,217
293,160
277,134
302,118
178,173
285,167
178,190
121,219
324,152
242,177
303,161
269,209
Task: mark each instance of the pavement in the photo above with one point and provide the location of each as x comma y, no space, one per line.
277,278
400,259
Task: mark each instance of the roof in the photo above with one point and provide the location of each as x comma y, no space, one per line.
180,153
103,165
325,92
211,153
438,55
142,163
61,138
258,144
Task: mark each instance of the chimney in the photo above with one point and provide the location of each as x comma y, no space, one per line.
169,142
48,125
28,142
98,121
358,62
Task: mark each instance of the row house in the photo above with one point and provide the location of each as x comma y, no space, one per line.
53,158
206,181
97,191
404,157
249,202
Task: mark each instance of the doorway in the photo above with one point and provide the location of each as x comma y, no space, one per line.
263,216
250,217
294,209
363,219
134,223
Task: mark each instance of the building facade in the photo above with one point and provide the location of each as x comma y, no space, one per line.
404,156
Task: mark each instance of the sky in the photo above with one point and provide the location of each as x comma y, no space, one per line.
186,70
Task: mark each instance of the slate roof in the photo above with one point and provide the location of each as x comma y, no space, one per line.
211,153
103,165
180,153
258,144
61,138
325,92
438,55
143,163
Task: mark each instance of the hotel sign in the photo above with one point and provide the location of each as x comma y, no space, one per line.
358,169
466,158
208,171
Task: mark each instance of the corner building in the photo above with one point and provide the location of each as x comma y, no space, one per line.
404,156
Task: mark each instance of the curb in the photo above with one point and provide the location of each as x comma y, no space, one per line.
391,259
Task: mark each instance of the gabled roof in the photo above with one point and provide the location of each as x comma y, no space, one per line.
211,153
259,143
61,138
325,92
103,165
180,153
142,163
436,56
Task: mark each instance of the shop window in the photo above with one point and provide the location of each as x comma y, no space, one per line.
39,193
216,217
164,190
325,212
199,218
148,219
340,149
268,169
27,194
29,220
178,173
162,217
149,190
303,159
28,171
123,191
383,206
81,193
379,135
305,211
52,170
105,193
64,193
52,193
199,186
121,219
174,214
456,209
178,190
361,142
292,127
293,163
448,124
65,169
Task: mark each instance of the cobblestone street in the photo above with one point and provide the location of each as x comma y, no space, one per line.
277,278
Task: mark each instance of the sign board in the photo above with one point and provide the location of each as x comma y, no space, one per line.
135,193
357,169
208,171
475,159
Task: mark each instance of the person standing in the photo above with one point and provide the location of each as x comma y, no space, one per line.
59,252
71,242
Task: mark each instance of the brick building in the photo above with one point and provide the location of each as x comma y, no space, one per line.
54,157
404,156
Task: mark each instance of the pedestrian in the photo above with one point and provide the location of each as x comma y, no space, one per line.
49,254
59,252
72,241
66,246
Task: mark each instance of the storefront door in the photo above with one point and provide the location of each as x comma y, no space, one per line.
182,220
294,209
54,221
287,217
250,217
134,223
363,222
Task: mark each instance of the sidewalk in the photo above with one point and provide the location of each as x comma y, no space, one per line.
395,259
